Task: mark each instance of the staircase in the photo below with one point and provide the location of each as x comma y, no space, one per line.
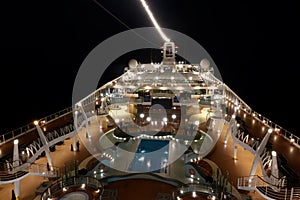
282,194
34,169
43,170
268,190
10,177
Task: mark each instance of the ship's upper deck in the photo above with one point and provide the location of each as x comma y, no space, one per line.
182,85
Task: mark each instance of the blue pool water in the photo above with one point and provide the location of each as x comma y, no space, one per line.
151,156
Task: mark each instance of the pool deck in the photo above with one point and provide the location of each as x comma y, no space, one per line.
222,156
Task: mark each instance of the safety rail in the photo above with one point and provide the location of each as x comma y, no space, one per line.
205,168
65,184
250,182
193,188
268,190
92,96
278,129
32,169
35,149
243,139
8,178
251,144
245,105
233,98
284,194
11,135
239,136
17,170
240,104
265,158
43,170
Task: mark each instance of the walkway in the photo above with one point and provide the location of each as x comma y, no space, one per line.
222,156
61,156
280,144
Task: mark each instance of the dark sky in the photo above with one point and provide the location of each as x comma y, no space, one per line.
43,43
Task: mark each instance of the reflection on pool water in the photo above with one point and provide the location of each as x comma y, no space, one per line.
151,156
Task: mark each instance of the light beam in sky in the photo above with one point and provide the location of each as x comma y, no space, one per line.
164,37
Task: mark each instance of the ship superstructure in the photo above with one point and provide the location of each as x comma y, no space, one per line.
166,130
166,121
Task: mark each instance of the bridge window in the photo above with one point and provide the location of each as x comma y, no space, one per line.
169,51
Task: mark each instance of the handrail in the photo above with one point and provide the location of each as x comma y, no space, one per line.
281,131
32,158
189,188
91,95
267,189
11,135
232,92
43,170
251,181
235,137
66,132
242,143
26,128
64,184
282,181
5,178
142,175
199,169
287,134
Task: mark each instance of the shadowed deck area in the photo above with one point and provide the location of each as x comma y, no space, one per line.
136,189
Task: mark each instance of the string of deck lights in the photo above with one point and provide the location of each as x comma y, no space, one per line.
156,25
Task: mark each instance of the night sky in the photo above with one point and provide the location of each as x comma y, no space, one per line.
43,43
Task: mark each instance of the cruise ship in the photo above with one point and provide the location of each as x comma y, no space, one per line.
168,130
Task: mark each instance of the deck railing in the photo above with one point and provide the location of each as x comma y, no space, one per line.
34,150
237,101
268,190
234,98
243,140
193,188
43,170
65,184
11,135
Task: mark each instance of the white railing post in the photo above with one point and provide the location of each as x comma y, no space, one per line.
292,193
45,144
88,134
285,193
75,146
16,156
49,191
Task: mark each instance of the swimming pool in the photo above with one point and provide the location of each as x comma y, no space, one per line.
151,156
